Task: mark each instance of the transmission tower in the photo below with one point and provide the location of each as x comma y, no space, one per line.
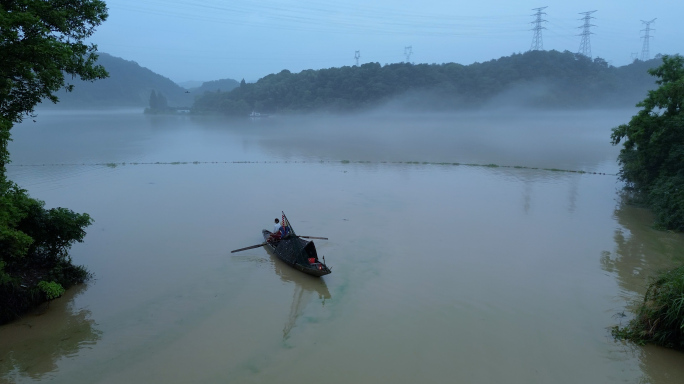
357,56
537,42
645,55
585,45
408,51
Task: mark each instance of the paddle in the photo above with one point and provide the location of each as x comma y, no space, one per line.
251,247
313,237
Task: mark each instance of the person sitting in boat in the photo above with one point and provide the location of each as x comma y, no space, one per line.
275,235
277,232
284,231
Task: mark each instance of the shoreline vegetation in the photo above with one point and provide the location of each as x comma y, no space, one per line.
652,167
659,318
43,43
652,154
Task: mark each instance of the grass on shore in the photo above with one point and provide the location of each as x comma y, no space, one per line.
660,317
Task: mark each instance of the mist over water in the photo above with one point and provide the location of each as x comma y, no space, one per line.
565,139
441,272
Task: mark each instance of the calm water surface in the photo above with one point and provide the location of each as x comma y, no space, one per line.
442,271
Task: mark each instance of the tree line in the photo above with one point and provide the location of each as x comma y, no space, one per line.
558,79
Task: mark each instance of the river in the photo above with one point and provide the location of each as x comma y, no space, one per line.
484,247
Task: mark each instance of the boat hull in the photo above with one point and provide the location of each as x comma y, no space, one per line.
295,252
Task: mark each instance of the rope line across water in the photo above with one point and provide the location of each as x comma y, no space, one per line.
114,165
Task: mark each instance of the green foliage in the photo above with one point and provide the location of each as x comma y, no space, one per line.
52,290
27,228
5,126
666,199
53,230
652,157
217,85
536,78
41,42
14,207
4,277
660,318
34,244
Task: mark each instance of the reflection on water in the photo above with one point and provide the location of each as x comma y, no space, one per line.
640,250
640,253
31,346
304,287
660,365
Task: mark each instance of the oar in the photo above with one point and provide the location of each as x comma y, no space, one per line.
313,237
251,247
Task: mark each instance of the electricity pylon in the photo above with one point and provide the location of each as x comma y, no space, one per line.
585,45
645,55
537,42
357,56
408,51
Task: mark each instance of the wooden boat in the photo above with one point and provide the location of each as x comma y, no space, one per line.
295,251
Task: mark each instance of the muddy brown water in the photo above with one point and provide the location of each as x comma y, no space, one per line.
444,269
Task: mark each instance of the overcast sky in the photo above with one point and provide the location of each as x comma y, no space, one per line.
211,39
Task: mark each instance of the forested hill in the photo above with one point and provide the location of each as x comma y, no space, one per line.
224,85
537,79
128,85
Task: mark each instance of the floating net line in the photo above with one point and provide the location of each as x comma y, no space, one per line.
423,163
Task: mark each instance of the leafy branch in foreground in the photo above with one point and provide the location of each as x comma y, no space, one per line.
41,42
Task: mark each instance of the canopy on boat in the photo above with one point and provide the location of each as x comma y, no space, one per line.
296,250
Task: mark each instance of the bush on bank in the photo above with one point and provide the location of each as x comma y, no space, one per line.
660,317
34,262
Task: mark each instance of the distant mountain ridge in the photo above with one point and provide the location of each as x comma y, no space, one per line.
190,84
538,79
128,85
222,85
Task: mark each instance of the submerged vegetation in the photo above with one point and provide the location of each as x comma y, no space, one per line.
40,45
660,317
345,161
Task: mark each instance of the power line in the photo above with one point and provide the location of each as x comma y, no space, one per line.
537,42
585,45
645,54
337,18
